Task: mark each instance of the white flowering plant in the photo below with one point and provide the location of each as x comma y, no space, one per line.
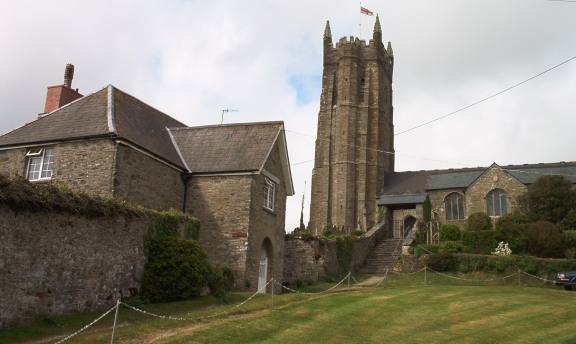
502,250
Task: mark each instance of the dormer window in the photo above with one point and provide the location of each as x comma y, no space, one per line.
269,193
40,164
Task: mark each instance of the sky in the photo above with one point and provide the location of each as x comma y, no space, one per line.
191,59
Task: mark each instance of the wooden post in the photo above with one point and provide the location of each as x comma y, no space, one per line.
115,320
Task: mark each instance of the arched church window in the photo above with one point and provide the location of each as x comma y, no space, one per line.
454,205
497,203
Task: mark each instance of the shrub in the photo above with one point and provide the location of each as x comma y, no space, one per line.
221,282
511,228
176,269
420,250
420,235
450,233
545,239
344,247
451,247
569,221
482,242
550,198
443,262
479,222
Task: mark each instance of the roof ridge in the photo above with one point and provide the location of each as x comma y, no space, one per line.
229,125
143,102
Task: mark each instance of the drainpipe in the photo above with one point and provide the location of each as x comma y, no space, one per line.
185,178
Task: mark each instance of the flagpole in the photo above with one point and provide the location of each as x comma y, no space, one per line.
360,21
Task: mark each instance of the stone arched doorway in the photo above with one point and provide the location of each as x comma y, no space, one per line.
266,264
408,224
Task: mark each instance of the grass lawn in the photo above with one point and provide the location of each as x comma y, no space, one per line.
403,311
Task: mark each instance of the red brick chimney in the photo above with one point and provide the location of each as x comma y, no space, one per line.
61,95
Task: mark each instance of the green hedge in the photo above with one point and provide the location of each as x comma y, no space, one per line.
481,242
537,266
449,232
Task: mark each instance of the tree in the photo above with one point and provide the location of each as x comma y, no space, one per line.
550,198
427,209
545,239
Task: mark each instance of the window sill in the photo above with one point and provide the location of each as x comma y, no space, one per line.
42,180
268,210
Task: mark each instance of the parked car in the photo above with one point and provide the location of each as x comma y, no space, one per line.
566,279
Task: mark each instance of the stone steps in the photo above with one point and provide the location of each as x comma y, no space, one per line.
382,257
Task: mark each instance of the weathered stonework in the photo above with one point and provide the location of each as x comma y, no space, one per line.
475,195
146,181
355,141
52,264
86,165
222,204
303,261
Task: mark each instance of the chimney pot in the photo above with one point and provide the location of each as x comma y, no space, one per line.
68,75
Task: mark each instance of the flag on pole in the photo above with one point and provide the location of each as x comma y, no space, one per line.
366,11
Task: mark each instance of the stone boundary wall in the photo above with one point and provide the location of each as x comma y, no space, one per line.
316,259
57,263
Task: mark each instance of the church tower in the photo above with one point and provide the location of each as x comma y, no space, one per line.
355,139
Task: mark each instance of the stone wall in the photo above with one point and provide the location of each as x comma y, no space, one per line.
303,261
316,259
143,180
52,264
86,165
222,204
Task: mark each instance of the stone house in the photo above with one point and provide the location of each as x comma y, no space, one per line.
234,178
457,193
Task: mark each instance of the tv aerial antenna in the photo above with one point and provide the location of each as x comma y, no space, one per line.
226,111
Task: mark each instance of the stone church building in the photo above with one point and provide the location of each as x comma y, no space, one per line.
234,178
354,183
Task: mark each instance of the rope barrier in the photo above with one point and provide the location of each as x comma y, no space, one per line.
471,279
382,280
538,277
86,326
319,292
169,317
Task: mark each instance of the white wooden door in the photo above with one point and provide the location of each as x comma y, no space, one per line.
263,273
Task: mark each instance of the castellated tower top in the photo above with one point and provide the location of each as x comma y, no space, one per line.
355,47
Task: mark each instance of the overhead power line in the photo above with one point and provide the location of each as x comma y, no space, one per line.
486,98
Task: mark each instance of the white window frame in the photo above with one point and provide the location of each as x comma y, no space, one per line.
269,193
40,153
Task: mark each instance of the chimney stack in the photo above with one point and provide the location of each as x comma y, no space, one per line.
61,95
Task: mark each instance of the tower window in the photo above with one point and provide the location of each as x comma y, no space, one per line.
40,164
454,204
497,203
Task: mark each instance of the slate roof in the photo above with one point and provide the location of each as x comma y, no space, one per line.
240,147
93,116
84,117
411,186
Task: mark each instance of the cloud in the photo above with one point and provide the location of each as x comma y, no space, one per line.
191,59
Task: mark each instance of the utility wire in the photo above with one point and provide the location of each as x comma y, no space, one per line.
488,97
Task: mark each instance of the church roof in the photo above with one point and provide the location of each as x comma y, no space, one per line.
411,186
109,112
